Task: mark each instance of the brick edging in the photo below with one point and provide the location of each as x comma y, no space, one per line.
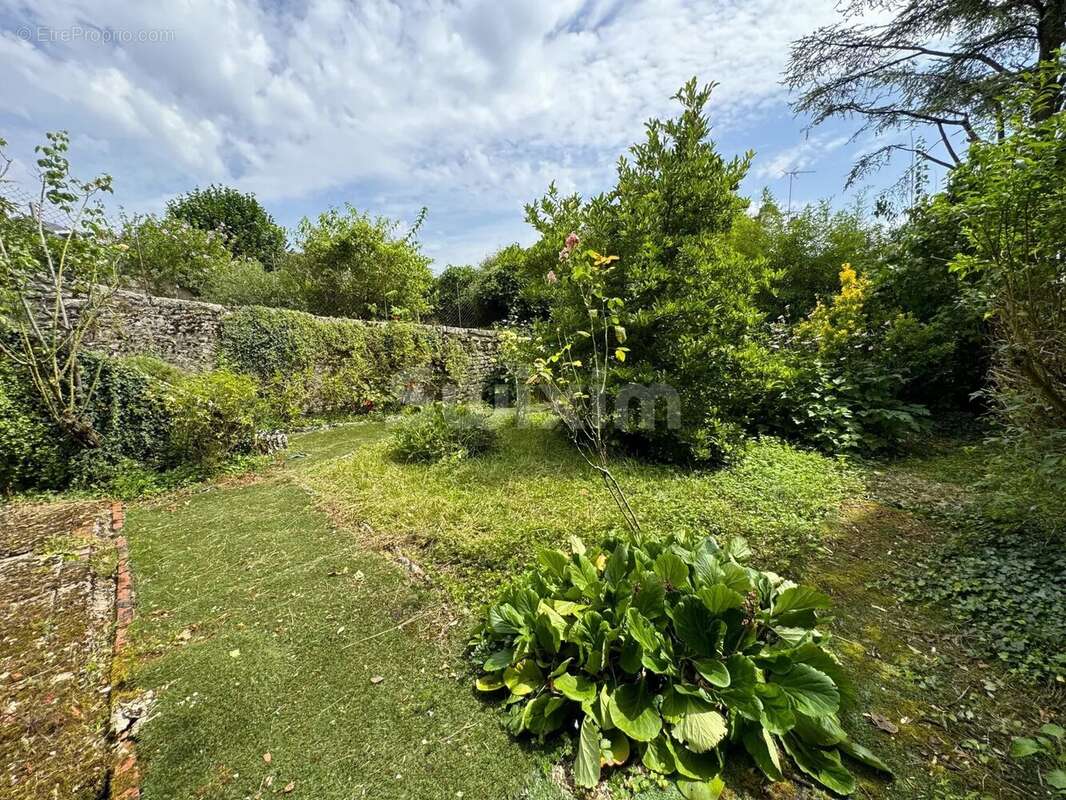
125,776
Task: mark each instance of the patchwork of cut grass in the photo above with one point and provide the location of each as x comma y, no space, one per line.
475,522
269,607
264,630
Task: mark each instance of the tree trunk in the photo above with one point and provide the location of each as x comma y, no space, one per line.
1051,37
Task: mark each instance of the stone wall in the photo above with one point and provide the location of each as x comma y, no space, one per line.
183,332
187,333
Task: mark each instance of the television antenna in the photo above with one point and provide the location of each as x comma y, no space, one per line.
792,173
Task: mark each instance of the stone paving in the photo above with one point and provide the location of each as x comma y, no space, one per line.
57,614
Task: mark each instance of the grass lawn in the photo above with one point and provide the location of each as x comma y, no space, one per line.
478,521
270,632
277,616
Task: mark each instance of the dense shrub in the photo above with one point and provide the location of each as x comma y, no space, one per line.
1009,200
443,431
32,451
666,652
245,282
912,277
849,373
129,410
689,293
213,415
168,256
157,425
358,267
803,252
245,226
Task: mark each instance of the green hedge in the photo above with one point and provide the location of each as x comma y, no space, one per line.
315,365
128,410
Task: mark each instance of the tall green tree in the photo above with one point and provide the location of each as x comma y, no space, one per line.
245,226
356,266
453,297
937,67
689,294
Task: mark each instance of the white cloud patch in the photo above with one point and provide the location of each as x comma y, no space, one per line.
467,106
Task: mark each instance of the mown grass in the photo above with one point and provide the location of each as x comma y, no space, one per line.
265,630
478,521
268,606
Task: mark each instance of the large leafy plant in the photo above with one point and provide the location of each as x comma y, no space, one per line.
1050,745
670,652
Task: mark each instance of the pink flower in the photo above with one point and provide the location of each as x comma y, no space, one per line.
551,277
568,248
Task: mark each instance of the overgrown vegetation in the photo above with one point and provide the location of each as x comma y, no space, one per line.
673,333
355,266
308,366
483,519
246,228
168,256
443,432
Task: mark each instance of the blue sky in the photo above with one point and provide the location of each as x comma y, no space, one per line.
469,107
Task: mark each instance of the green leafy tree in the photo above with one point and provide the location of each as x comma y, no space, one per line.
689,293
453,297
913,276
499,288
355,266
486,295
168,256
245,226
54,287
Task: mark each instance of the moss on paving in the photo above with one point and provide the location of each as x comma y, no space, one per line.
55,618
955,714
265,630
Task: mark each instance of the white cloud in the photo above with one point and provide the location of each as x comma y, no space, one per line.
473,105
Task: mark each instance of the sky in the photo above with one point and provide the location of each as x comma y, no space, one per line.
467,107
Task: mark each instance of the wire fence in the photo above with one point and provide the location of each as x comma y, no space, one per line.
30,205
457,312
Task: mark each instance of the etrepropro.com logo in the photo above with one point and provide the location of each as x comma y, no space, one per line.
45,34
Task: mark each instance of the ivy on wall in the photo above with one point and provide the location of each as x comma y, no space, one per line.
311,365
